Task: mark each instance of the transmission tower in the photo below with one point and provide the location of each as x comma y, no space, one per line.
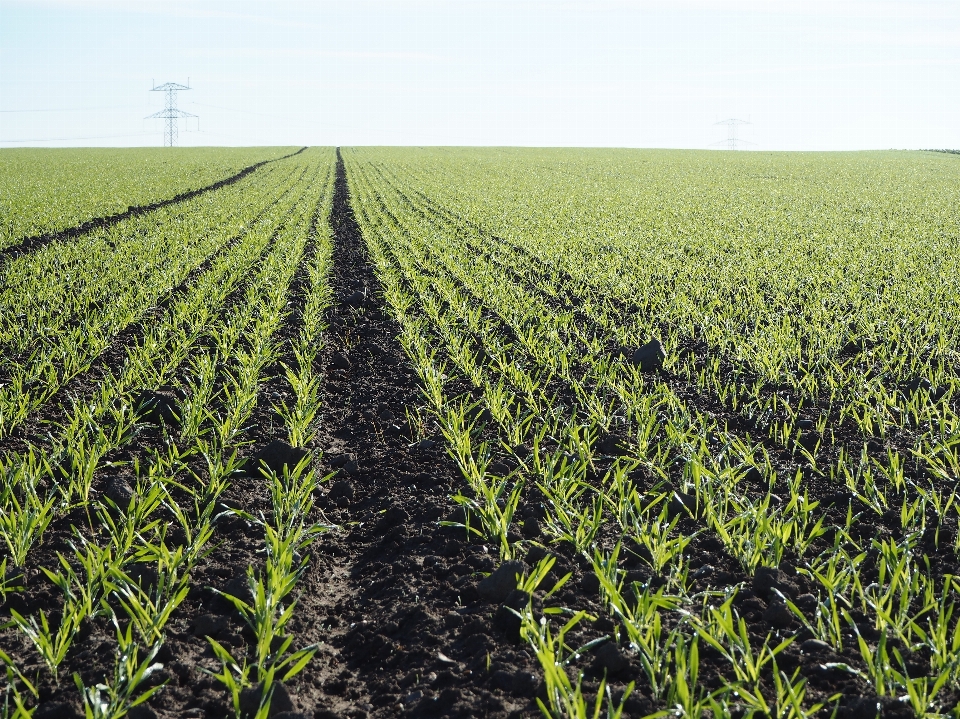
171,113
732,142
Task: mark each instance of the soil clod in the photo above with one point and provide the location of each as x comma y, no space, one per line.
778,615
341,493
497,586
610,657
338,360
120,492
507,617
210,625
769,580
57,710
161,406
276,455
649,357
281,703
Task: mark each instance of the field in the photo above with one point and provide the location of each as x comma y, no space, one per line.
450,432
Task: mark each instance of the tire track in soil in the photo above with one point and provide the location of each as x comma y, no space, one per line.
391,596
31,244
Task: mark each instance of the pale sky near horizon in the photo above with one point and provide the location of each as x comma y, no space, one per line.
807,74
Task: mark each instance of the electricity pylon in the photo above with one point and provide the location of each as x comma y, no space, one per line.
732,141
170,113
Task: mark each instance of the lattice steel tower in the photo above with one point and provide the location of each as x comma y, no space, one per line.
732,140
170,113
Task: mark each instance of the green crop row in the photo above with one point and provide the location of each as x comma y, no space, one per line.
64,304
213,347
531,277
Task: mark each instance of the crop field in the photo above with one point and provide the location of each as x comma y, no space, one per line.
44,192
458,432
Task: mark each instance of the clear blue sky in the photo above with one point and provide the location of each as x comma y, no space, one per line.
808,74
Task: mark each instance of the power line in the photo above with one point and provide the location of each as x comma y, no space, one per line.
170,113
732,139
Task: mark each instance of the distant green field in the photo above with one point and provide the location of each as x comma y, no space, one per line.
47,190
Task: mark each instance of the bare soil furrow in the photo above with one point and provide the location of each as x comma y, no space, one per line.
391,594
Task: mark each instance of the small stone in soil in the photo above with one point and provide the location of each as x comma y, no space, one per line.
500,583
422,445
339,360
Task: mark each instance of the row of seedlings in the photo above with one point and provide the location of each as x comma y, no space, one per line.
139,574
712,464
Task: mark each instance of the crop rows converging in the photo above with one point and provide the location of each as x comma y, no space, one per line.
726,384
135,357
681,434
44,192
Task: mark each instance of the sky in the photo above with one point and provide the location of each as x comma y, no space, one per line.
805,74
